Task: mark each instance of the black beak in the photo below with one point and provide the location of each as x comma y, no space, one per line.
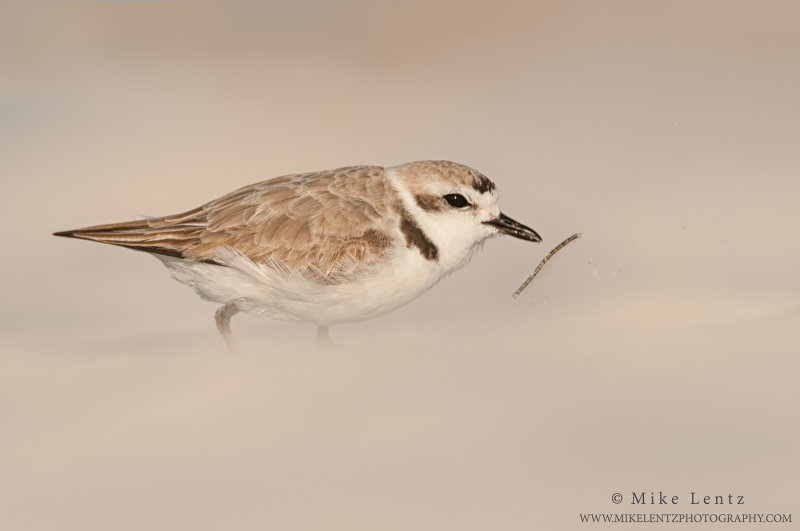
506,225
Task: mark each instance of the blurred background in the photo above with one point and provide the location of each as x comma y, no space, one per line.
657,353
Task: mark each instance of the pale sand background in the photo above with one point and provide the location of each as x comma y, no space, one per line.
660,352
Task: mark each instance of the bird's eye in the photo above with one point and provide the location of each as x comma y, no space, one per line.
456,200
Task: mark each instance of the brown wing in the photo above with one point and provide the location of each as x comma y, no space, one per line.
335,222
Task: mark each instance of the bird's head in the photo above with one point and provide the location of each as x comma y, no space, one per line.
456,206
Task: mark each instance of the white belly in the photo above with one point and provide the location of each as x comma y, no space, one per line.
261,290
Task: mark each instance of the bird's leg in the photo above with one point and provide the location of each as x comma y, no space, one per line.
223,317
323,337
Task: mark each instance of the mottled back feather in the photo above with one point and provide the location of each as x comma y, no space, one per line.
329,224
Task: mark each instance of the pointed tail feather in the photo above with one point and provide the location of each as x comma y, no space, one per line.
158,236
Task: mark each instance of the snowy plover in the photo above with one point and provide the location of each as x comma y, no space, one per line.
325,248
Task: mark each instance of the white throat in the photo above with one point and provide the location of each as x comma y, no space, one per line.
455,240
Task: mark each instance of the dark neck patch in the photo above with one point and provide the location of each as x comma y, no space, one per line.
416,238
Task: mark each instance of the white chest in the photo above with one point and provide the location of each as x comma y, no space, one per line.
401,280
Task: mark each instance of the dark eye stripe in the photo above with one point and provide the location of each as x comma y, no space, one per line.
430,202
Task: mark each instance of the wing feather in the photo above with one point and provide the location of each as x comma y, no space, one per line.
333,223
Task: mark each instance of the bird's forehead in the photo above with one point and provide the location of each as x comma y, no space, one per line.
422,174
